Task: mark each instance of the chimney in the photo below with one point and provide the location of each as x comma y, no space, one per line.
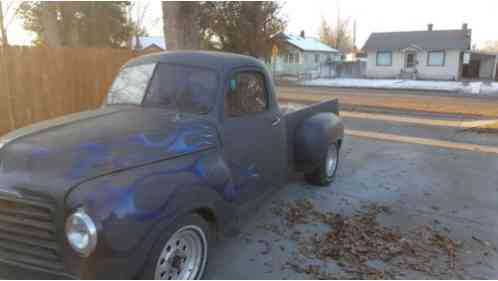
465,26
302,34
430,27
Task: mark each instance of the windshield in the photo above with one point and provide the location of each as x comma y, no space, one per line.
176,87
130,85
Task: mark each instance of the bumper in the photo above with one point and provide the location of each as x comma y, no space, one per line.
12,270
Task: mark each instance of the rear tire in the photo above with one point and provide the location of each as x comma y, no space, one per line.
181,252
325,173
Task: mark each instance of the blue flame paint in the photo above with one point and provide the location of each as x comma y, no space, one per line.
100,157
119,200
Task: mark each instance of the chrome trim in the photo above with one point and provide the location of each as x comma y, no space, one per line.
9,192
276,121
92,231
184,255
3,142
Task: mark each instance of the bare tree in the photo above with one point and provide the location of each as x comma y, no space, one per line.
76,24
245,27
137,14
3,31
8,11
51,32
181,25
339,36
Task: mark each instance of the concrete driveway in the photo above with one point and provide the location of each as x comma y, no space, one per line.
452,190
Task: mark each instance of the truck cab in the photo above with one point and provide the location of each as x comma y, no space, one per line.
141,186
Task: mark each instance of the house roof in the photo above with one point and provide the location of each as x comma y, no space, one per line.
147,41
436,39
307,43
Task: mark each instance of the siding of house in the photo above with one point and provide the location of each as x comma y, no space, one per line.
450,70
306,63
374,71
309,57
282,65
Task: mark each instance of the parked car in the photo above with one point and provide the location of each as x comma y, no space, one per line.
141,186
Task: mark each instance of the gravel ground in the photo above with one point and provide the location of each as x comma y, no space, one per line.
453,192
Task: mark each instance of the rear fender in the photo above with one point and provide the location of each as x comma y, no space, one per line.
313,137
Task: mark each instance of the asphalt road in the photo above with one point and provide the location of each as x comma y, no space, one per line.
454,191
397,100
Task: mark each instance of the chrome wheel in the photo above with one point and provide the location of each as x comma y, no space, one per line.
331,163
184,256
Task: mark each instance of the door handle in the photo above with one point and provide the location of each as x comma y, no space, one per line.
276,121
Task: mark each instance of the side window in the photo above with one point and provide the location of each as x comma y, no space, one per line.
246,94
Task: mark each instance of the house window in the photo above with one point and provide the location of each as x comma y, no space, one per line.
435,58
317,58
293,58
384,58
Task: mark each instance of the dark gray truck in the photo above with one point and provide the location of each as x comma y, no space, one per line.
141,186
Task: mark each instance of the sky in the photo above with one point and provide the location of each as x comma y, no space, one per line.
370,15
396,15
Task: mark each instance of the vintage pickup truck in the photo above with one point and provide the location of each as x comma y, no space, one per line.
140,187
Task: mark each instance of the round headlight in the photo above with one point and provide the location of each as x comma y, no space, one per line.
81,233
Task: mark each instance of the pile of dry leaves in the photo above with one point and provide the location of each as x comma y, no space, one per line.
357,240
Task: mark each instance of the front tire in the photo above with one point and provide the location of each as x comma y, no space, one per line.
182,252
325,173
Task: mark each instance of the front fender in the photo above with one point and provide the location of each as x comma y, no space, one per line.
132,207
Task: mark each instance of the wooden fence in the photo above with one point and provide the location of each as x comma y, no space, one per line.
41,83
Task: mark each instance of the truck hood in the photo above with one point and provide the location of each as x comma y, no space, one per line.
67,151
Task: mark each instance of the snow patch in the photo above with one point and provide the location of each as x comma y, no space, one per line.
476,88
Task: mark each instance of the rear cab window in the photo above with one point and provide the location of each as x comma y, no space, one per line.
246,94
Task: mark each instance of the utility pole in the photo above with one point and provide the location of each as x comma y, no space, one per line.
354,35
337,27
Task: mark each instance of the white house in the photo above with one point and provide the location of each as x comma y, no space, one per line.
301,55
430,54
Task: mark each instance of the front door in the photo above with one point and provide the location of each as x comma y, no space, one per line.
254,136
410,61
